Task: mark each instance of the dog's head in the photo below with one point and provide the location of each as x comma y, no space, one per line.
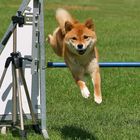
80,38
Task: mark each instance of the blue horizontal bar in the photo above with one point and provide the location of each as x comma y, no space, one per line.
101,64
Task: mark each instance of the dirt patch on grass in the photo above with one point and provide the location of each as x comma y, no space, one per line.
9,6
55,6
70,7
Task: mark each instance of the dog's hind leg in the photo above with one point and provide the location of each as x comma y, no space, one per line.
56,41
51,40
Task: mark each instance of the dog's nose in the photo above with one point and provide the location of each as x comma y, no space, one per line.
80,46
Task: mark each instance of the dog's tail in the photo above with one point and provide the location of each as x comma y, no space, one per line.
62,16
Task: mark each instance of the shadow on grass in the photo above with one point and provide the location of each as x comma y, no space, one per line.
76,133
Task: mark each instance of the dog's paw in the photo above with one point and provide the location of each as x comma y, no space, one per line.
49,38
98,99
85,92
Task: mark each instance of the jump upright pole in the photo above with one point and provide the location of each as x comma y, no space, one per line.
101,64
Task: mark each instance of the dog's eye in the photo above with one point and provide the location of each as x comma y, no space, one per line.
86,37
74,38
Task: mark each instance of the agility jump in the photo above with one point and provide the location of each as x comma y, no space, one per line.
23,60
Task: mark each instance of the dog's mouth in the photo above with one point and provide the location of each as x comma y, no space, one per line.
81,51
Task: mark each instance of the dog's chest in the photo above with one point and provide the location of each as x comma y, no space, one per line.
85,64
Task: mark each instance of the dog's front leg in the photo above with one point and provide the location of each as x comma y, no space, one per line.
78,75
84,90
96,79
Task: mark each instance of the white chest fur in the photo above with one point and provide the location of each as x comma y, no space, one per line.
82,64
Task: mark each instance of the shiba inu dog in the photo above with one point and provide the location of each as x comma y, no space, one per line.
76,42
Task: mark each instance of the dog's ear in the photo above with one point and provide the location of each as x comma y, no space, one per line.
68,26
89,24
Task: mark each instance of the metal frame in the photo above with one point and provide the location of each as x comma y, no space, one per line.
42,72
38,56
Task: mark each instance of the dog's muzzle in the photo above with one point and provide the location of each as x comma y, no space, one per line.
81,52
80,49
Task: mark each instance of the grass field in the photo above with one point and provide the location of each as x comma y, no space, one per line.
69,115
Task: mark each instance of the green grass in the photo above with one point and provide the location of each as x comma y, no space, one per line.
69,115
